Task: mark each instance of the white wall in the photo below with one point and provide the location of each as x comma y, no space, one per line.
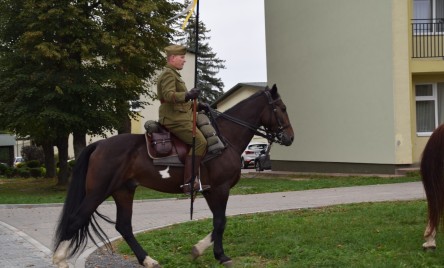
332,63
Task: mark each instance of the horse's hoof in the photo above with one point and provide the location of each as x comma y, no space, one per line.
195,253
62,264
227,263
156,265
429,248
429,245
150,263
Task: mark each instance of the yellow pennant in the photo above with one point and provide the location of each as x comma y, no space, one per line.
189,14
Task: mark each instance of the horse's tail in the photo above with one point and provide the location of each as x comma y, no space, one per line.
75,196
432,172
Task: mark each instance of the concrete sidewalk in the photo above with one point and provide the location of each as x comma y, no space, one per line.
26,231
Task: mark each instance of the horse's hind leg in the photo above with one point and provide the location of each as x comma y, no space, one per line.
59,257
124,202
429,236
75,223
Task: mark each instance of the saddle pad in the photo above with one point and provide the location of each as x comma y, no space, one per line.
172,160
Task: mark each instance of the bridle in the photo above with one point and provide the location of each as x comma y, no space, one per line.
269,134
275,136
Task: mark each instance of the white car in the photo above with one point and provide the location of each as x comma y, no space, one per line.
18,160
251,152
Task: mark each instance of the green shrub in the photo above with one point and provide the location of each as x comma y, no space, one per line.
71,163
3,169
23,172
20,165
10,172
35,172
43,170
33,163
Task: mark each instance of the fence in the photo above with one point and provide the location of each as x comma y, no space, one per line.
428,38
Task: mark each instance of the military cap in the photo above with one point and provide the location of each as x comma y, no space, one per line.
175,50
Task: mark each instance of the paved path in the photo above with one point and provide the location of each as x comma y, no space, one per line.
26,231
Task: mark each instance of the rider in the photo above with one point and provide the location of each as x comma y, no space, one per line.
176,111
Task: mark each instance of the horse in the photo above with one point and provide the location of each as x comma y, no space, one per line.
432,172
117,165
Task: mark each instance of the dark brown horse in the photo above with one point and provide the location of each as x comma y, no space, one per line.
432,173
117,165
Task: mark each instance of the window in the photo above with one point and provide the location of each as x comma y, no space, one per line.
428,9
429,13
429,107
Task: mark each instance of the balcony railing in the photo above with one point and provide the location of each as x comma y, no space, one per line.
428,38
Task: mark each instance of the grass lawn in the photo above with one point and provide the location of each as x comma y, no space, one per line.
37,191
358,235
385,234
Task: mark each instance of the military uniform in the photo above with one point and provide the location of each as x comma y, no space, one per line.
175,113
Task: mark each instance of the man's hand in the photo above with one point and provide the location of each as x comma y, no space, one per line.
202,106
192,94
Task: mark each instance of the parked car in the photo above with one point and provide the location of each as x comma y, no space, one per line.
251,152
18,160
262,161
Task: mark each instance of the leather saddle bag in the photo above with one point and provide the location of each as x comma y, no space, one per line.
162,143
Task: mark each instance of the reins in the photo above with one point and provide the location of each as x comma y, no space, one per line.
257,130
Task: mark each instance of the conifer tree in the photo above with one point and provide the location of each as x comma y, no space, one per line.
208,64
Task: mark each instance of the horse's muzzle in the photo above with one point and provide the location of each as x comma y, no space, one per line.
285,139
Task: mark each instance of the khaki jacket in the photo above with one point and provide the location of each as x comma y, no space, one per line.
171,90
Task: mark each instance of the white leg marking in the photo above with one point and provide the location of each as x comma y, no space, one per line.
201,246
150,263
429,238
59,257
165,173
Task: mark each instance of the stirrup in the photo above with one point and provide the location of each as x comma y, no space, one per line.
198,187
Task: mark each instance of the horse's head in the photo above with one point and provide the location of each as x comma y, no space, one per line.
275,118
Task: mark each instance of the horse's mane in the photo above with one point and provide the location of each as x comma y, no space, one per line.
235,109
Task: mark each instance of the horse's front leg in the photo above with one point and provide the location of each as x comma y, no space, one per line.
201,246
429,236
217,201
124,202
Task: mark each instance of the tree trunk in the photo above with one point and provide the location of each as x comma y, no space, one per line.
48,150
79,143
62,146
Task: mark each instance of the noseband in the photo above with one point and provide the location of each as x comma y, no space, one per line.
269,134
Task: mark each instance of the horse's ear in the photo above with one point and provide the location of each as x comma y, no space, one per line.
274,89
267,88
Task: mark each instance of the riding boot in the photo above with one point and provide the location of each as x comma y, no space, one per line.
188,174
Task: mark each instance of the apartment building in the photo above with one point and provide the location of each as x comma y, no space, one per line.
363,81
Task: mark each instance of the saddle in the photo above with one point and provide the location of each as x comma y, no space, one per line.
168,150
165,148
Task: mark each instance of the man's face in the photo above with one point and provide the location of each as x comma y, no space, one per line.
178,61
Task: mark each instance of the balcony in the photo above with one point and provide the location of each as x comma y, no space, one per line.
428,38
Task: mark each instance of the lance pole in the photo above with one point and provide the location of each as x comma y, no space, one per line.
193,161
